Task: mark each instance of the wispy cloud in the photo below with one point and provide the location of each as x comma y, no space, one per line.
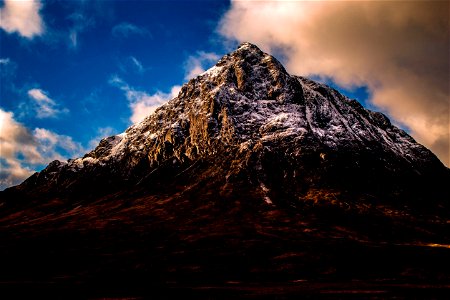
137,64
141,103
125,29
23,150
80,23
398,49
131,64
44,106
197,64
22,17
73,39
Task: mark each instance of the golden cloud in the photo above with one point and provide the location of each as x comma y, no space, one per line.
398,49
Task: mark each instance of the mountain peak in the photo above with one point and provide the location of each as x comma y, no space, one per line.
249,48
248,106
248,45
256,74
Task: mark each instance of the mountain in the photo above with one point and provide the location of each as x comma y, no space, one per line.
249,175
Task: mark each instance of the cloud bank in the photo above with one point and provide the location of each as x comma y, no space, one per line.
22,17
398,49
22,149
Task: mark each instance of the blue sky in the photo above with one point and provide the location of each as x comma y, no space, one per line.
73,72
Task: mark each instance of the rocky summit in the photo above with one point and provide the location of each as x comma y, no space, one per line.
249,176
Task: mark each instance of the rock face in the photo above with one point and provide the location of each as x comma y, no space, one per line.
243,142
285,132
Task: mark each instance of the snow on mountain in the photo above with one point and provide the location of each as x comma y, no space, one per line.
249,97
248,101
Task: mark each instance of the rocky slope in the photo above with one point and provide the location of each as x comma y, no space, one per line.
249,108
246,156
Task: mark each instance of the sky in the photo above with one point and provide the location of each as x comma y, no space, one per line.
73,72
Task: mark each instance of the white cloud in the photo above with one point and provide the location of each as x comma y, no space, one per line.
398,49
137,64
73,38
22,150
196,64
125,29
5,61
44,106
50,144
141,103
22,17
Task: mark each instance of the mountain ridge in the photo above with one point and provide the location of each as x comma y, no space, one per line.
247,98
248,175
